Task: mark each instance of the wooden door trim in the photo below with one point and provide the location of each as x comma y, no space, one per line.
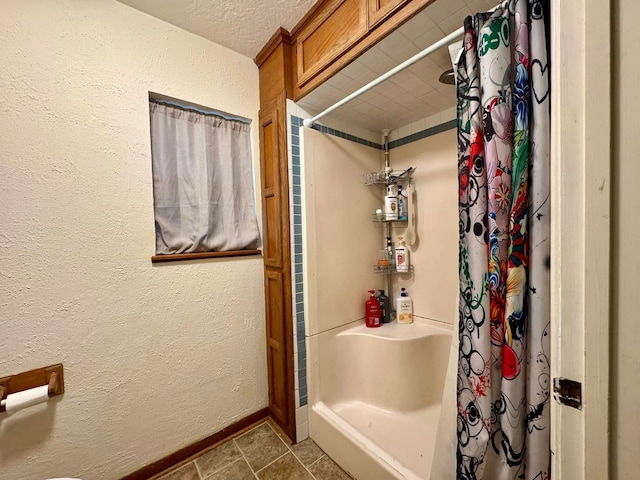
580,272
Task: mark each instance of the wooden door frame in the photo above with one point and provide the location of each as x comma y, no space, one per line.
580,192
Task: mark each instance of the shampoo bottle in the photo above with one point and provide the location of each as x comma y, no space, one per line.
402,257
404,307
391,203
385,313
372,311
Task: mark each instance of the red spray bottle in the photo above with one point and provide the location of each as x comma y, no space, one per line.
372,311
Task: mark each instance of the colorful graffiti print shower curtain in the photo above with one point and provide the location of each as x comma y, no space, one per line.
503,146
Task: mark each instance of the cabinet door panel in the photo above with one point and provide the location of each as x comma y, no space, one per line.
336,32
341,24
270,176
379,10
276,345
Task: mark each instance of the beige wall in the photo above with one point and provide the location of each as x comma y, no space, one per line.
156,357
625,331
434,284
341,241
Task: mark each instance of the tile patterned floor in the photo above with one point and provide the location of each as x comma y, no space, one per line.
260,454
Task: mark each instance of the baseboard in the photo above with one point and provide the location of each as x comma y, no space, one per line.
185,453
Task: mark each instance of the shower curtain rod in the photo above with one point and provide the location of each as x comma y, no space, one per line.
308,122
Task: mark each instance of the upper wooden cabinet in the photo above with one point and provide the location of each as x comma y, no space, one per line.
335,32
336,26
381,9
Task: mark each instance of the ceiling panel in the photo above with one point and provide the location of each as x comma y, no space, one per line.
411,95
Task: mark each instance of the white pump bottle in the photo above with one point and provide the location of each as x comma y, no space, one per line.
404,307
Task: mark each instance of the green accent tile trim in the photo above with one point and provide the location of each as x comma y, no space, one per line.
424,134
346,136
296,184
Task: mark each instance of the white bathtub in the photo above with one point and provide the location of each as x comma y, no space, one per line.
375,396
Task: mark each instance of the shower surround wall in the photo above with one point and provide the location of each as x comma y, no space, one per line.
295,116
294,124
434,284
340,246
341,241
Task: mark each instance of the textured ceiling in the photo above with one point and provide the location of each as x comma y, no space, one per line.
244,26
414,94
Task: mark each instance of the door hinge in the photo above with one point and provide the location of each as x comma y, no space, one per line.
568,392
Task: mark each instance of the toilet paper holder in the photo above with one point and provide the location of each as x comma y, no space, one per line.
52,375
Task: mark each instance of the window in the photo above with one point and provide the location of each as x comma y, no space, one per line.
202,183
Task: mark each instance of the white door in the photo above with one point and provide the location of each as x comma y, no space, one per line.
580,169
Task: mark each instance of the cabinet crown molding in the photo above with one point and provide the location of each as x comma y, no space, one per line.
281,36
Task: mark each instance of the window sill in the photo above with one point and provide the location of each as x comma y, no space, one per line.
177,257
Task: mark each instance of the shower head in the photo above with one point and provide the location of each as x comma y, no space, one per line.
447,77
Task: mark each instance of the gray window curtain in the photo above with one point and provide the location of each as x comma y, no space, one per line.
202,182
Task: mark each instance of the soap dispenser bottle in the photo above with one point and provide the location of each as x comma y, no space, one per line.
372,311
404,307
385,311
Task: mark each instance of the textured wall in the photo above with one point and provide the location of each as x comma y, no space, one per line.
155,357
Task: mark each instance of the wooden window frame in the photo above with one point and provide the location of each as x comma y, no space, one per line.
177,257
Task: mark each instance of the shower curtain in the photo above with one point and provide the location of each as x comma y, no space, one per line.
502,80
